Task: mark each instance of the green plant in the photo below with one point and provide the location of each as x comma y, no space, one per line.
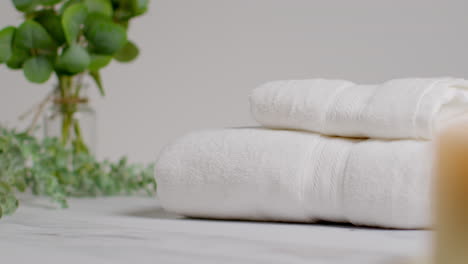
48,168
71,39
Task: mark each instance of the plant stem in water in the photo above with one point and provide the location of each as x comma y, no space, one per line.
69,90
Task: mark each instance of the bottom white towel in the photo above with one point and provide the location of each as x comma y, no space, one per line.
261,174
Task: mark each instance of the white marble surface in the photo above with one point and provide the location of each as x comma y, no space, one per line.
126,230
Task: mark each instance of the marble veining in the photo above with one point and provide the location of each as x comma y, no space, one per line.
129,229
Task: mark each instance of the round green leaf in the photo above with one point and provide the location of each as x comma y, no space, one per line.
103,7
98,62
74,59
6,41
105,37
31,35
128,53
66,4
139,7
18,57
95,18
53,24
123,14
37,69
73,18
24,5
49,2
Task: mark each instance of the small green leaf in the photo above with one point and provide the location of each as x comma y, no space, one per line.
10,203
74,59
5,187
95,18
123,14
103,7
66,4
99,61
49,2
128,53
97,79
24,5
31,35
19,56
105,37
38,69
6,41
124,24
139,7
53,24
73,19
20,184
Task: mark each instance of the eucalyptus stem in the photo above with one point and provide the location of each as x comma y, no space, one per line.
79,143
66,123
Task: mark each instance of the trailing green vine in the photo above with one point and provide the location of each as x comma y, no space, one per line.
48,168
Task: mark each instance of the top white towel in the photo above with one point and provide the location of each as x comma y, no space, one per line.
397,109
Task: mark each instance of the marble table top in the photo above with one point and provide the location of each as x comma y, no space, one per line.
136,230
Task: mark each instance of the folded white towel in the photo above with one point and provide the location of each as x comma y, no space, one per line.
261,174
398,109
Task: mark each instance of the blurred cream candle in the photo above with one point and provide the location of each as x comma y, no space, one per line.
451,201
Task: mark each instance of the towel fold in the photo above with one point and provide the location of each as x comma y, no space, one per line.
397,109
262,174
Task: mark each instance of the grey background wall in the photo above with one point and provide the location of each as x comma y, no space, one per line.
200,59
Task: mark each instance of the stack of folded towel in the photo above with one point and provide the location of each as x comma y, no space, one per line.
329,150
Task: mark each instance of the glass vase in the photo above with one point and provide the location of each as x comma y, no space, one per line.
73,121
